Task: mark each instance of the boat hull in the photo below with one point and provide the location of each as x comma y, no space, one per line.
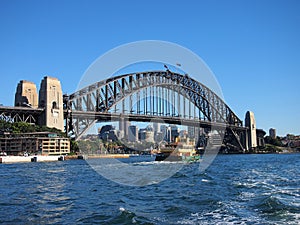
167,157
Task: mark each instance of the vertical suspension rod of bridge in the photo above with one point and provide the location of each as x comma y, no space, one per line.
178,104
156,99
115,94
168,103
150,100
153,101
189,115
123,100
163,101
173,101
184,107
159,102
195,109
145,101
130,96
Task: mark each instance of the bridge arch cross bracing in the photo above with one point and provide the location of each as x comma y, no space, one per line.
97,101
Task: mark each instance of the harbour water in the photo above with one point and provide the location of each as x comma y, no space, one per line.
235,189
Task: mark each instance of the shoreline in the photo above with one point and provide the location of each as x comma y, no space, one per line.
54,158
25,159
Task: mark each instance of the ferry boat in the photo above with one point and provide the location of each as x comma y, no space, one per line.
178,151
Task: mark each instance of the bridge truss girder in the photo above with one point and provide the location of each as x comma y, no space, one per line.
20,114
151,90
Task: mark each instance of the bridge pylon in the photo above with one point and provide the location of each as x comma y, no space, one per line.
51,99
26,94
251,133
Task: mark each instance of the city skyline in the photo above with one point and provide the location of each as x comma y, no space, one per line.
252,46
148,132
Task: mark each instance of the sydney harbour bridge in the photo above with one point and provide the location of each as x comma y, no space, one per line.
150,96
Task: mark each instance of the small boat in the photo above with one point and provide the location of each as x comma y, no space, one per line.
61,158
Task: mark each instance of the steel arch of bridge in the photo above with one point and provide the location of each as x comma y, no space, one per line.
97,101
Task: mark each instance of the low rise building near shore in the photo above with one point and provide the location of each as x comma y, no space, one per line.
42,143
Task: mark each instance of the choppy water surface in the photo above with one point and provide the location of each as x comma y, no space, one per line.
235,189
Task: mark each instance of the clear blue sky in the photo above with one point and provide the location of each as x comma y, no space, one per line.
253,47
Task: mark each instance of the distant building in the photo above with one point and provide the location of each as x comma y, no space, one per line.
163,130
272,133
123,126
133,133
156,127
195,133
174,132
168,136
146,135
183,134
158,137
260,137
191,132
45,143
104,129
149,128
108,133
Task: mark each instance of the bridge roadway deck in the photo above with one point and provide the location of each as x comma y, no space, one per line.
102,116
20,110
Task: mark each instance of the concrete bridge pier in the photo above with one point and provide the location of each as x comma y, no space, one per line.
251,137
50,98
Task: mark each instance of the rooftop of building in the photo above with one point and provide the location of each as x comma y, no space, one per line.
27,82
49,77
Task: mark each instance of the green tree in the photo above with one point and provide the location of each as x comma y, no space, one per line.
74,146
273,141
22,127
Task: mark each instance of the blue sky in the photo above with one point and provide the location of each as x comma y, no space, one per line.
253,47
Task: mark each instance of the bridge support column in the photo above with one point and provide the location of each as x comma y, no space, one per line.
244,140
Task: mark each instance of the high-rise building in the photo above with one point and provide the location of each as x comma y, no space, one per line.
149,128
183,134
108,133
168,136
272,133
26,94
174,132
133,133
163,130
158,137
156,127
195,132
191,132
146,135
123,126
